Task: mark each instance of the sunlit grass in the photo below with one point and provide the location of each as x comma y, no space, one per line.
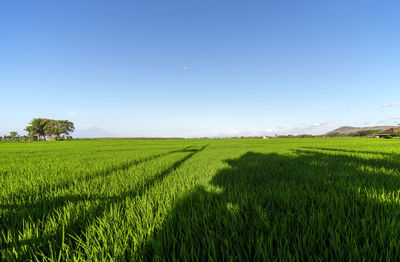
280,199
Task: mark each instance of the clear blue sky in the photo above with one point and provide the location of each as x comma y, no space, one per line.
194,68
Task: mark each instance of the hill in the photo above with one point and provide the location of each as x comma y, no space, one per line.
345,130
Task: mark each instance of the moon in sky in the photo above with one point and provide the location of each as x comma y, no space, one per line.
186,67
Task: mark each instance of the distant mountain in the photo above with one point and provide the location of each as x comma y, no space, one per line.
93,132
345,130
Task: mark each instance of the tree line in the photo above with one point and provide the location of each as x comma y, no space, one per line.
362,133
43,129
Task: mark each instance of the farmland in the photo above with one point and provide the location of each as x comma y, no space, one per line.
226,199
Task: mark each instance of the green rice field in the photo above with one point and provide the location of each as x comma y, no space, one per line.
200,200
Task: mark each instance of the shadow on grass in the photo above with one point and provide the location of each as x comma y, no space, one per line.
305,206
346,151
40,210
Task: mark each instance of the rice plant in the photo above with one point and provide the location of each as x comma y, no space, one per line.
219,200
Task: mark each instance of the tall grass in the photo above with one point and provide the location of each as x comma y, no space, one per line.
240,200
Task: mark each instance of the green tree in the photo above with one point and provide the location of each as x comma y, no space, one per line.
58,127
44,127
369,132
36,128
50,127
67,127
13,135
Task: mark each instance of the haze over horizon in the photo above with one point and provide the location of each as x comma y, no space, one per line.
193,69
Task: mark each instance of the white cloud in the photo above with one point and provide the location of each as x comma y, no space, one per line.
317,124
315,128
392,104
396,117
236,133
